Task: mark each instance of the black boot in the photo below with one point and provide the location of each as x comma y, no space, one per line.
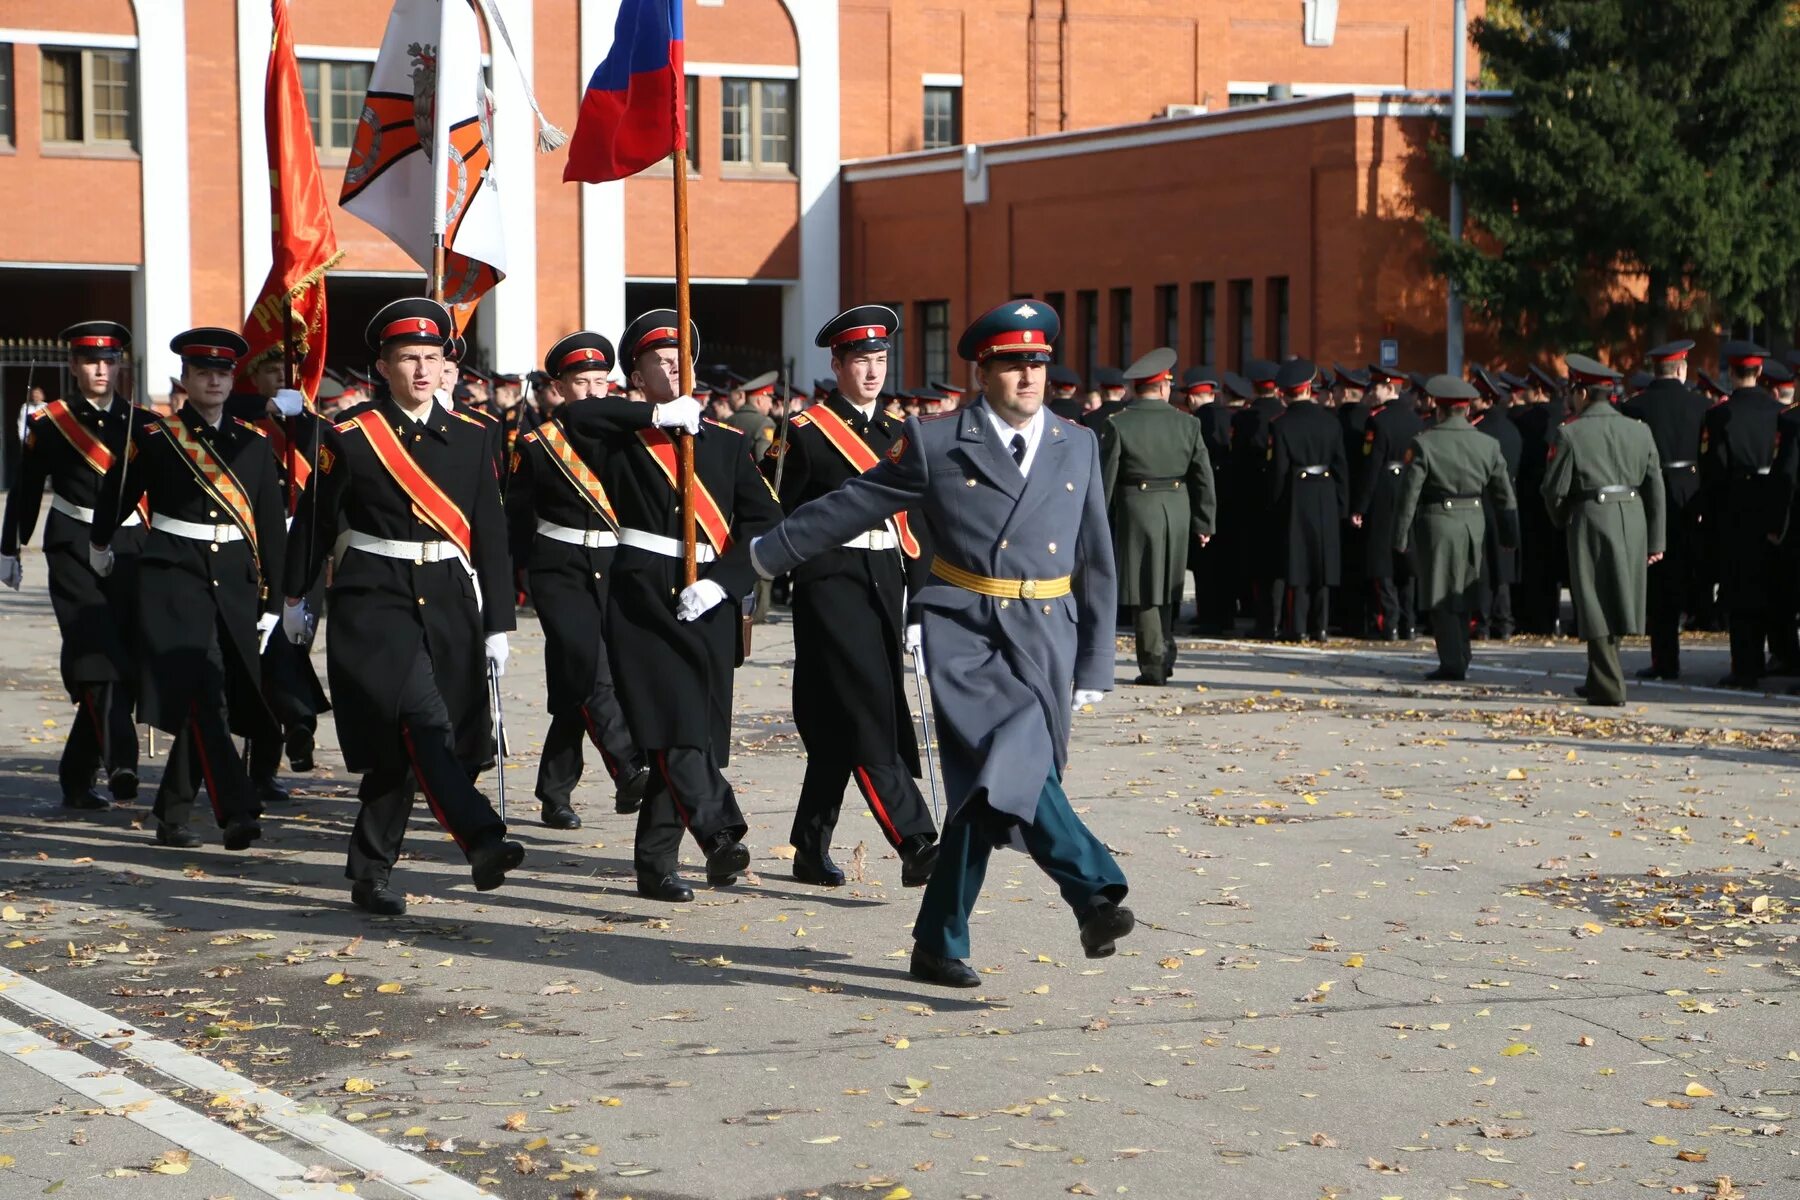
667,888
1104,925
819,871
726,858
560,814
945,972
374,896
269,791
239,834
88,801
123,784
300,749
918,854
630,796
491,860
178,836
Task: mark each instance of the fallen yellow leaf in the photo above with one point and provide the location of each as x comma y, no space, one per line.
335,978
1514,1050
359,1085
390,989
1355,960
1697,1089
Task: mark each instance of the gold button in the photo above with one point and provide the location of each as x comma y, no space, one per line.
1053,547
212,512
596,574
1068,487
968,483
1003,543
1046,610
1004,603
214,547
421,601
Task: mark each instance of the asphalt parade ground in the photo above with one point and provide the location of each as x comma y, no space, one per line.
1396,939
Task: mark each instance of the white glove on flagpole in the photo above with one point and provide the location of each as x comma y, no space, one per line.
683,412
265,629
699,599
100,558
296,622
915,643
12,571
289,402
497,653
1085,697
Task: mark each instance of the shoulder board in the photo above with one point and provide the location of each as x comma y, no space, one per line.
1377,410
53,406
477,422
349,426
253,428
896,413
1718,403
722,425
154,425
939,416
1065,423
531,437
799,421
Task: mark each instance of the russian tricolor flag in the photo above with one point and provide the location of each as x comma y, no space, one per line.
635,110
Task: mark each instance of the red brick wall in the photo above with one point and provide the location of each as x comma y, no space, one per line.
560,79
215,183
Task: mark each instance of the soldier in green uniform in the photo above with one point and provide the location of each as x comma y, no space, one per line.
1159,492
1452,470
1604,486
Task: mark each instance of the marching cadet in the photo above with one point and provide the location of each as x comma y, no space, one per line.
1675,415
1389,429
290,684
70,446
849,619
1500,556
1208,558
1309,491
1604,485
1452,475
1247,505
1784,638
1351,605
1738,444
1065,393
564,534
421,602
674,648
752,416
1538,599
1018,613
1159,490
209,580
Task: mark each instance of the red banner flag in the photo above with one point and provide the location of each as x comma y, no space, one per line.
304,243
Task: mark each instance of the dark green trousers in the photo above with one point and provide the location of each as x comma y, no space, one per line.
1063,848
1450,630
1154,625
1605,677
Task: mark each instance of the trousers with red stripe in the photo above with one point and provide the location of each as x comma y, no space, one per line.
101,736
203,753
887,788
432,767
687,791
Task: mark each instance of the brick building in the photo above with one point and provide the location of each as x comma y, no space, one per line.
835,146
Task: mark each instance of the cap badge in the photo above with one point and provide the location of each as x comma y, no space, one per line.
1024,310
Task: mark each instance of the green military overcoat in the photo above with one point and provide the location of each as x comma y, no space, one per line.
1452,470
1611,533
1159,493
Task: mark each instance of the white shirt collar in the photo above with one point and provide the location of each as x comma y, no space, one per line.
867,410
1033,432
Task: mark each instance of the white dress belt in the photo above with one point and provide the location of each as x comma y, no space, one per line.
874,539
195,531
592,539
668,547
85,515
418,553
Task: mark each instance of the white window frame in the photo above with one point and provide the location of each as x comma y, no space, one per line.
85,85
753,135
329,152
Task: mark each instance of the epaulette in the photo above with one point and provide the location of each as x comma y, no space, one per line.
252,427
722,425
344,426
939,416
897,414
530,437
799,421
463,416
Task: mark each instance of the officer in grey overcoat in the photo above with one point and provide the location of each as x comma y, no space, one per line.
1017,620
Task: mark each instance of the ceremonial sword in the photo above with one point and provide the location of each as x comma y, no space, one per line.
499,733
918,658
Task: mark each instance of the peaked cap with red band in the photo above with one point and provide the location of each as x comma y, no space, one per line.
763,384
1199,379
1743,356
1587,371
97,339
410,321
1155,367
657,329
1295,377
583,350
209,346
1674,351
859,330
1019,331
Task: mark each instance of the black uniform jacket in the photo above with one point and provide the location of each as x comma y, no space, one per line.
1309,486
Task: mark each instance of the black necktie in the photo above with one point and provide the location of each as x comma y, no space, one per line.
1018,449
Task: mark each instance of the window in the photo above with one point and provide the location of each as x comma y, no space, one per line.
1088,304
1243,304
693,122
943,117
6,94
1121,314
86,96
1278,325
334,101
756,123
934,324
1168,315
1206,318
1059,302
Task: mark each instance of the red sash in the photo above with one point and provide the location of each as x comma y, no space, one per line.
96,453
844,440
576,471
216,479
429,503
706,510
295,464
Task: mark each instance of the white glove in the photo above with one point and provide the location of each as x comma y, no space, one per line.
296,622
12,571
289,402
497,653
100,558
699,599
265,629
915,642
1085,697
683,412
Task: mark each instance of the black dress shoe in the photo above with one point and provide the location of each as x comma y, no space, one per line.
1104,925
820,871
1445,675
300,750
630,796
123,784
270,792
239,834
178,836
945,972
373,896
491,860
561,815
88,801
1581,689
1782,666
918,855
1145,679
726,858
668,888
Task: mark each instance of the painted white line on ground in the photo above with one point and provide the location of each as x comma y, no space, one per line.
255,1164
399,1170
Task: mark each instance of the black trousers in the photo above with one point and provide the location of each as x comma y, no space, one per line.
1663,601
1394,605
1537,600
1749,628
1494,609
1305,610
265,752
433,768
102,735
600,721
687,791
888,789
203,752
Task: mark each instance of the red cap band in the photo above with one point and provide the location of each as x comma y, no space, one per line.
587,354
1754,361
1677,356
1205,385
1154,379
862,333
99,343
766,390
1012,342
422,326
655,335
209,352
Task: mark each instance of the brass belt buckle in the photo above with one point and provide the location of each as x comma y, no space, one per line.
1028,589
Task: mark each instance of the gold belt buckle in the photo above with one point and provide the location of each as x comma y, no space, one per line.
1028,589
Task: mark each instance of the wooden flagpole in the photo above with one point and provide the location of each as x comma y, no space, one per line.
690,570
